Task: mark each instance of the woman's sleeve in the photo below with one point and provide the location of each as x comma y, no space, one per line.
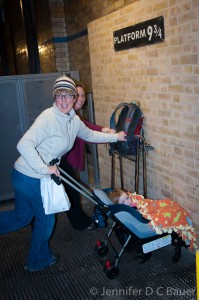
27,146
89,135
92,126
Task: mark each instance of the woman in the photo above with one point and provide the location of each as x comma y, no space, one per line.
74,161
52,134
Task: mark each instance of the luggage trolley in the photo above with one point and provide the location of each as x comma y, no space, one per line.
141,152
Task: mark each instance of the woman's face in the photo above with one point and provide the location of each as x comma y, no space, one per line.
64,100
80,98
124,199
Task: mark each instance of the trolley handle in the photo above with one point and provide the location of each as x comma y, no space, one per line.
56,179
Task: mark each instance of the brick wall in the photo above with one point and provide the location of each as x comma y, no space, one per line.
164,78
78,14
52,36
59,32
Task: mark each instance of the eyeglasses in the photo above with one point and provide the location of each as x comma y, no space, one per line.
66,96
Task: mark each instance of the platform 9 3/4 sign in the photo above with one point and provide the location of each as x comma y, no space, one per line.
145,33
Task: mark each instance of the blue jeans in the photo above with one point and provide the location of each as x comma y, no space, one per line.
28,204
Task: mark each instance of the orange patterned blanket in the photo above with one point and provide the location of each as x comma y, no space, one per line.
166,216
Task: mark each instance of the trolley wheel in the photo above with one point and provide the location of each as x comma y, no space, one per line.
101,249
111,272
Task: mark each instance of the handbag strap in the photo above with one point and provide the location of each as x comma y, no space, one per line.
56,179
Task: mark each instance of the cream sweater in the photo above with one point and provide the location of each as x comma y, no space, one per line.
53,134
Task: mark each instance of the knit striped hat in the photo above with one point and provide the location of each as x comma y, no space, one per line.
64,83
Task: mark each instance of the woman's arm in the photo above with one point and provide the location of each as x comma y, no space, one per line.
92,126
98,127
89,135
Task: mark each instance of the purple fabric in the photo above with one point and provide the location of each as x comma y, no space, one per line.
76,156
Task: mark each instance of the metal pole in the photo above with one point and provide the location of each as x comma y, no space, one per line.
95,163
31,35
121,173
113,171
137,166
144,168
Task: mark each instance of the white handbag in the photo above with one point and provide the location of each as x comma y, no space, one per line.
54,197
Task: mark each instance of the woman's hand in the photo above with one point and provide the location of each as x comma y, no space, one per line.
53,170
108,130
121,136
111,130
